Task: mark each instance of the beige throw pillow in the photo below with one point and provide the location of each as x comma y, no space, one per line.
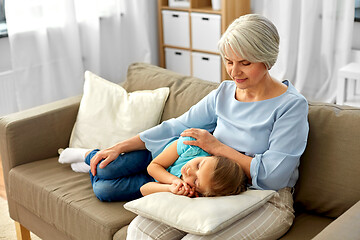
109,114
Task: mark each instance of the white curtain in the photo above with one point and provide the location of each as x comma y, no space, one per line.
115,33
315,41
45,52
53,42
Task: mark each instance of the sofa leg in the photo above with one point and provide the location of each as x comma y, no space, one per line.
21,232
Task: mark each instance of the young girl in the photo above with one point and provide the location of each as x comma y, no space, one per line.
181,169
188,170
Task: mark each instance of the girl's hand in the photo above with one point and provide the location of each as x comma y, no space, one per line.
204,140
180,187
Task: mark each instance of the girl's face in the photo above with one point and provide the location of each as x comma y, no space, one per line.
246,75
198,173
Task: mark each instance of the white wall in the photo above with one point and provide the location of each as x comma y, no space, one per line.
7,84
5,62
356,36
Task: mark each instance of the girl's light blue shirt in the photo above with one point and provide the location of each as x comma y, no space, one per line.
274,131
186,153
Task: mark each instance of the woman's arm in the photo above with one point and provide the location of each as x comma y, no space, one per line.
277,167
110,154
201,115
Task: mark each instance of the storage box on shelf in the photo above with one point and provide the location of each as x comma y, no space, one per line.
179,3
176,28
205,31
206,66
195,29
178,60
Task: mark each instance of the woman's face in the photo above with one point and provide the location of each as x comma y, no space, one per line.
245,74
198,173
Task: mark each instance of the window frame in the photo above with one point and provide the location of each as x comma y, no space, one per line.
3,28
357,11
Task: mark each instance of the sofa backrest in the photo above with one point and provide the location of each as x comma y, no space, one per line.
330,166
185,91
329,180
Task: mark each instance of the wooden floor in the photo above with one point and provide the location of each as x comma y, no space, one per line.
2,184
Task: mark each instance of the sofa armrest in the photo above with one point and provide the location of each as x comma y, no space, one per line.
36,133
344,227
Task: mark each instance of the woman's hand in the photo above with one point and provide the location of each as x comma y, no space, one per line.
179,187
108,155
210,144
204,140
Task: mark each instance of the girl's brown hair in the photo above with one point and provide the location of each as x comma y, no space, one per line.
228,178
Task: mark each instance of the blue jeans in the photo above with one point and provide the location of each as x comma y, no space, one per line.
121,179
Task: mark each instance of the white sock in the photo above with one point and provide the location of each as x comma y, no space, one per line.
72,155
80,167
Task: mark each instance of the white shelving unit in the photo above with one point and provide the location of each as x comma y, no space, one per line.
188,36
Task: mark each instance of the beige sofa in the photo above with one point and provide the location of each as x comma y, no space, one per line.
54,202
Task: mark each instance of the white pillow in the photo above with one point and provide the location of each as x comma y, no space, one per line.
200,216
108,114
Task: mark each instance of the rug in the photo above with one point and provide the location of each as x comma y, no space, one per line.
7,226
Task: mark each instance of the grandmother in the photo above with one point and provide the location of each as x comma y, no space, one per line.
253,119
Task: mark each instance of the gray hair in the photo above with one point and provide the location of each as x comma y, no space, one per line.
252,37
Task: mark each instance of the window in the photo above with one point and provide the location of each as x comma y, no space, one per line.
357,10
3,28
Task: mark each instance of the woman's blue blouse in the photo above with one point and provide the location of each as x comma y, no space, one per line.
273,131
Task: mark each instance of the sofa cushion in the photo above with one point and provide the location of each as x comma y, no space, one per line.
330,164
344,227
108,114
65,199
306,226
184,91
